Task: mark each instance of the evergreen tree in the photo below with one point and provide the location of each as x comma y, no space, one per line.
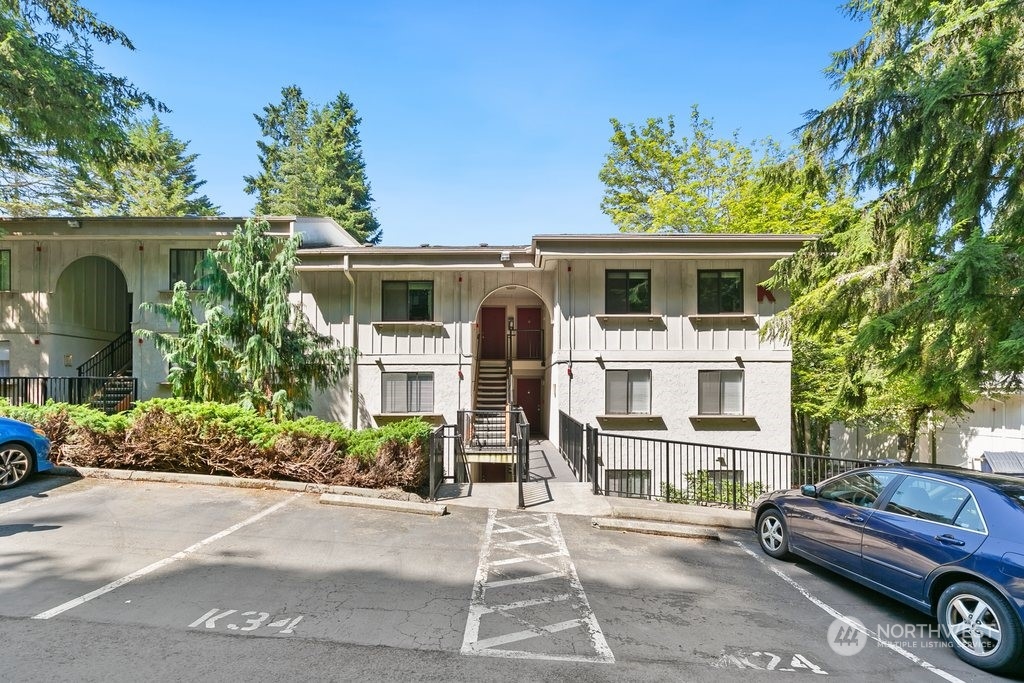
55,101
155,178
928,281
312,164
253,345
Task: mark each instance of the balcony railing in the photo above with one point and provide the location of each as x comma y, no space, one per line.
109,394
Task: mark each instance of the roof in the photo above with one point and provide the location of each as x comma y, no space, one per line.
315,231
545,250
1004,462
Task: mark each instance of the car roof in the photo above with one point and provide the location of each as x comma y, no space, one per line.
958,474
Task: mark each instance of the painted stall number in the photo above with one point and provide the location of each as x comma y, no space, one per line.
767,661
210,619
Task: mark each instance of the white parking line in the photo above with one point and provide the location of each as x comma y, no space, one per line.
835,614
542,530
71,604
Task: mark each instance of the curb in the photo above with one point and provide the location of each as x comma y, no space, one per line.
731,519
348,500
393,495
655,528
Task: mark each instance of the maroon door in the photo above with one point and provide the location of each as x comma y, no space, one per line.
492,333
529,340
528,397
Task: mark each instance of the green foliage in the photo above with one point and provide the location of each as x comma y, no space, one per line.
657,180
312,164
367,442
55,101
214,438
154,178
701,489
926,280
254,345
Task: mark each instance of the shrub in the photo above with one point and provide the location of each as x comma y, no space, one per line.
702,489
173,435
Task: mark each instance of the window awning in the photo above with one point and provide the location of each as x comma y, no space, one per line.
1006,462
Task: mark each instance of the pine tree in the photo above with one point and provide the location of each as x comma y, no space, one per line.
312,164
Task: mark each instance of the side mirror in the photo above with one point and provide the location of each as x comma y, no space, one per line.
809,490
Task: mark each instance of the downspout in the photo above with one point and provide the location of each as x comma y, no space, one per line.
354,327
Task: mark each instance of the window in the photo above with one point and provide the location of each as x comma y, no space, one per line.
928,499
720,392
401,300
407,392
5,359
185,266
627,392
5,270
719,291
628,483
627,291
861,489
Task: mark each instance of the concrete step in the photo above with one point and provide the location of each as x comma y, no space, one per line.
655,528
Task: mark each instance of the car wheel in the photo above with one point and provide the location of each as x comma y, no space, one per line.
16,464
979,625
772,533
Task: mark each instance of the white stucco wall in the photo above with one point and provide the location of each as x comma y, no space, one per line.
993,425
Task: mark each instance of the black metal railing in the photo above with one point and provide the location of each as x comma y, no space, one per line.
110,360
485,430
572,445
702,474
447,460
109,394
521,448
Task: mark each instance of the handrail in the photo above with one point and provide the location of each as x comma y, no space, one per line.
110,359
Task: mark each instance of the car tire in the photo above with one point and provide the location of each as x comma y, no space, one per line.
16,464
772,533
980,627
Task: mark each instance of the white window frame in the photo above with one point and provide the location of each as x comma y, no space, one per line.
720,392
417,393
632,381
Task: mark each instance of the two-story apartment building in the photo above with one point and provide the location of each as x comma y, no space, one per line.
650,334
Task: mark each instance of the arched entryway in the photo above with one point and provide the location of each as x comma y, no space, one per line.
513,344
90,308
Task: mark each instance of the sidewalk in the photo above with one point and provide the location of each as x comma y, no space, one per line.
552,487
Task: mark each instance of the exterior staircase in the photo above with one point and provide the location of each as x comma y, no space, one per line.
490,425
108,375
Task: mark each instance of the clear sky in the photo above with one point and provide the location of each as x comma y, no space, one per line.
481,121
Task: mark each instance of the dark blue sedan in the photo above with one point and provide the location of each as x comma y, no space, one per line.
23,450
947,541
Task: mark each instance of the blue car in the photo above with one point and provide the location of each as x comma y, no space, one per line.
23,450
947,541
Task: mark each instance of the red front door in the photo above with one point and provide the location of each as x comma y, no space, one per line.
529,340
528,397
492,333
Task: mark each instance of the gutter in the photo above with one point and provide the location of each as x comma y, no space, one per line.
354,367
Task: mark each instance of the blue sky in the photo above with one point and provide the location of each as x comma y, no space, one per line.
481,121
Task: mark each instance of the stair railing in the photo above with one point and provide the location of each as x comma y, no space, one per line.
111,359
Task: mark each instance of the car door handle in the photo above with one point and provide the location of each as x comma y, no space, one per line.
949,539
853,518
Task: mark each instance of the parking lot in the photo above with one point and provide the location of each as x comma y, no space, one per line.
119,580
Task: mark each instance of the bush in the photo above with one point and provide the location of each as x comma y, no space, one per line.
701,489
172,435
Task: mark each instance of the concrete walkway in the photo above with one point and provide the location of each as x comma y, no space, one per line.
552,487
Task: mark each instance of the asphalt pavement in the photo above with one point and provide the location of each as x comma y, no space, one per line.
131,580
